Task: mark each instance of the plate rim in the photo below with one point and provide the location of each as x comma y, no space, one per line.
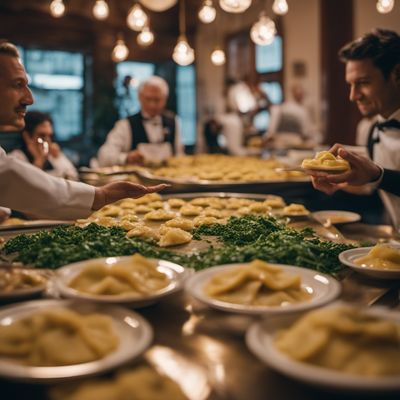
35,374
305,372
261,310
357,216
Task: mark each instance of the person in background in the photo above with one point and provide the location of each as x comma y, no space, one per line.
373,73
28,189
39,149
290,122
152,133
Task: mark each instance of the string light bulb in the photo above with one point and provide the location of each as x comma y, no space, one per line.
57,8
218,57
384,6
183,54
145,37
137,19
120,51
101,9
263,31
235,6
280,7
207,12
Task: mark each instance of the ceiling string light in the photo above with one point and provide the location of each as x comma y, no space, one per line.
158,5
207,12
384,6
145,37
137,19
183,54
280,7
120,51
218,55
263,31
101,9
57,8
234,6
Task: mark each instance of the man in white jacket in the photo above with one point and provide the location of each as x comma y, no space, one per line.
26,188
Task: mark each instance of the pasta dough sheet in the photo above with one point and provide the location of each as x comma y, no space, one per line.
141,383
257,283
58,337
381,256
136,276
344,339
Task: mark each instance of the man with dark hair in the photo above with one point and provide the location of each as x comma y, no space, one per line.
373,73
24,187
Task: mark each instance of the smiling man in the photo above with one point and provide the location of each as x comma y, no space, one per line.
373,74
28,189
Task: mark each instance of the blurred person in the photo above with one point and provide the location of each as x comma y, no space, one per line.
39,149
152,132
373,73
290,122
28,189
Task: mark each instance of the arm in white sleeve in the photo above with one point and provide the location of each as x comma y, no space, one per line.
117,146
179,148
232,129
275,116
26,188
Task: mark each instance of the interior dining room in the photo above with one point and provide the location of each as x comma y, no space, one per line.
199,199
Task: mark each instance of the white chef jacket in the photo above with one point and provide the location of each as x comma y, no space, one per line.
386,153
25,188
119,140
62,167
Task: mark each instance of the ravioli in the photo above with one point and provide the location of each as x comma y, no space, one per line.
295,209
182,223
381,256
174,237
160,215
326,161
344,339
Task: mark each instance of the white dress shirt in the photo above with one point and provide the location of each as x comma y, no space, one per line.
25,188
62,167
119,140
386,153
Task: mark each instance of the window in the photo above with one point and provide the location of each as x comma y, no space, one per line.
57,83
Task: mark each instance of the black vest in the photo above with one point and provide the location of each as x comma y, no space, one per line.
139,134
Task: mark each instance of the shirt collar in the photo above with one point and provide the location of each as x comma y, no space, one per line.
395,115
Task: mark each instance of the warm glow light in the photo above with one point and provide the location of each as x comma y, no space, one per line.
57,8
146,37
384,6
137,18
207,12
183,54
280,7
235,6
158,5
100,9
263,31
120,51
218,57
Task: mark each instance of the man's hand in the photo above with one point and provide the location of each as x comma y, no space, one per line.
362,171
120,190
4,215
135,157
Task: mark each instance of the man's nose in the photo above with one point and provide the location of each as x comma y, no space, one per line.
354,94
28,97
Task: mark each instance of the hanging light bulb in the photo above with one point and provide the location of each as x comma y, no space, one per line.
120,51
263,31
235,6
57,8
218,57
146,37
137,18
183,54
280,7
100,9
207,12
384,6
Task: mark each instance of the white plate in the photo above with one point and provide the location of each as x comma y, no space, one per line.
323,288
347,257
176,274
134,333
260,337
336,216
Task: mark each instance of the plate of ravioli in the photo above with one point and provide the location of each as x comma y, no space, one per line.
380,261
325,161
339,346
133,280
262,288
53,340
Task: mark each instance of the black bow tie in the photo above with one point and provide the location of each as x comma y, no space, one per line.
390,123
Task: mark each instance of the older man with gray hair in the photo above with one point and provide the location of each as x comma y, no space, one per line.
152,133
